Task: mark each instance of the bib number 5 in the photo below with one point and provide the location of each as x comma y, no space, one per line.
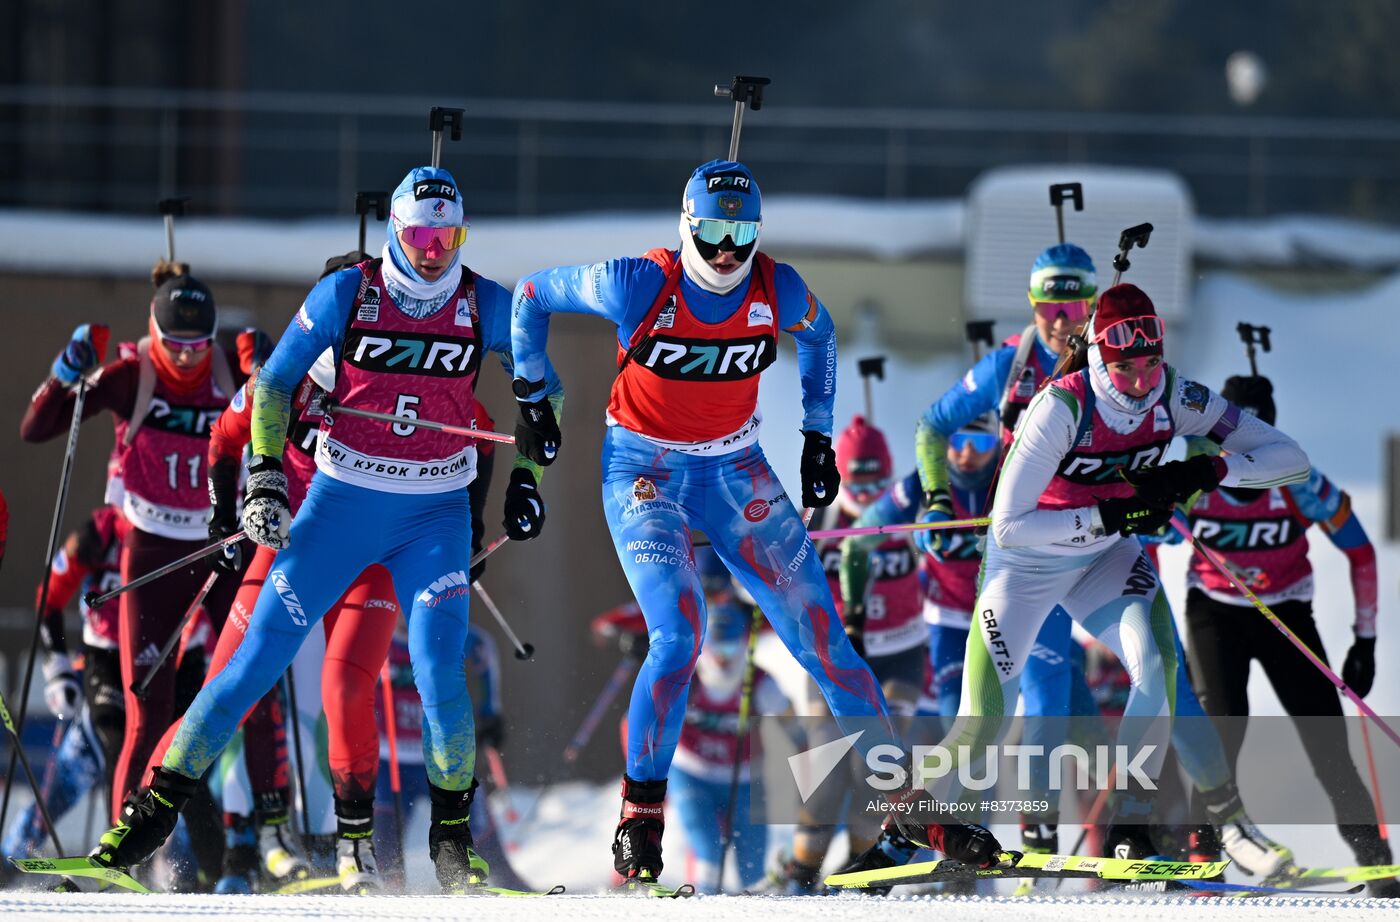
405,406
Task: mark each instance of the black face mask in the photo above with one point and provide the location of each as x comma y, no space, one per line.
708,251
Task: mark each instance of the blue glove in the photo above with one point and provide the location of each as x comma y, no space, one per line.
939,509
85,351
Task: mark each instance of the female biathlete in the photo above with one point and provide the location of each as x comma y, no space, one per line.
407,333
168,394
695,328
1081,479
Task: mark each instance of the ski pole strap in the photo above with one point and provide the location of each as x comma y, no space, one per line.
953,524
1293,638
139,689
484,435
93,600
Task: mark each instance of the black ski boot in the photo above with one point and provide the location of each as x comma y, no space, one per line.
637,843
1370,849
458,865
147,819
1040,835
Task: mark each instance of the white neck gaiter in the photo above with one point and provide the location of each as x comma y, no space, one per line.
705,275
420,299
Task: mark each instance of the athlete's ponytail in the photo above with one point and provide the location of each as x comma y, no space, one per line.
164,270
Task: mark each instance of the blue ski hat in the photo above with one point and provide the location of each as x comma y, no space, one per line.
1063,272
427,197
723,190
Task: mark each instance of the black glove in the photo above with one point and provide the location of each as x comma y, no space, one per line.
970,844
223,513
1359,670
855,628
820,478
479,567
537,433
524,506
1176,481
490,731
1132,516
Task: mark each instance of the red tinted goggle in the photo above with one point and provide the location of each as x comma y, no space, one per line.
420,238
1074,311
181,343
1143,330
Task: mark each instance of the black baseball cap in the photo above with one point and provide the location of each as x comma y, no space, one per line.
184,306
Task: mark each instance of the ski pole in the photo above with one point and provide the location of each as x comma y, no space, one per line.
440,118
391,730
1253,336
742,90
29,773
484,435
741,731
1092,818
907,526
1061,191
1228,571
364,201
65,478
1375,781
139,688
300,764
523,651
94,600
584,733
488,550
497,767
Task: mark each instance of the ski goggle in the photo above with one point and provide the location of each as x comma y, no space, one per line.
713,230
420,238
1147,330
181,343
980,441
1074,311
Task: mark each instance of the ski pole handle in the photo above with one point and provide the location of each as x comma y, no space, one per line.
139,688
92,599
1228,571
484,435
523,651
595,714
894,529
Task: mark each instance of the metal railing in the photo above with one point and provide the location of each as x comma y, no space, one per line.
288,154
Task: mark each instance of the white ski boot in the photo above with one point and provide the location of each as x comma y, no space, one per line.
1252,851
356,867
282,860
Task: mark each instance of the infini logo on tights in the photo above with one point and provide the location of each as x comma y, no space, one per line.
289,598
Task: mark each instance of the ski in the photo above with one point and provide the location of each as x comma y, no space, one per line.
1017,865
79,867
653,888
1221,888
487,890
1337,875
307,885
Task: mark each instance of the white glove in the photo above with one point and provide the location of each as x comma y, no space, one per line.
267,516
62,690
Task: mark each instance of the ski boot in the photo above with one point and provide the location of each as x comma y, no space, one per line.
898,841
354,847
458,865
637,843
240,855
1249,849
793,877
1040,838
147,819
281,857
1370,849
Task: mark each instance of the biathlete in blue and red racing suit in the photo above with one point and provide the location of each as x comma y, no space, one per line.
696,326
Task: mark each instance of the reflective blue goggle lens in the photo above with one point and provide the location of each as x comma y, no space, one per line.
713,231
980,441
